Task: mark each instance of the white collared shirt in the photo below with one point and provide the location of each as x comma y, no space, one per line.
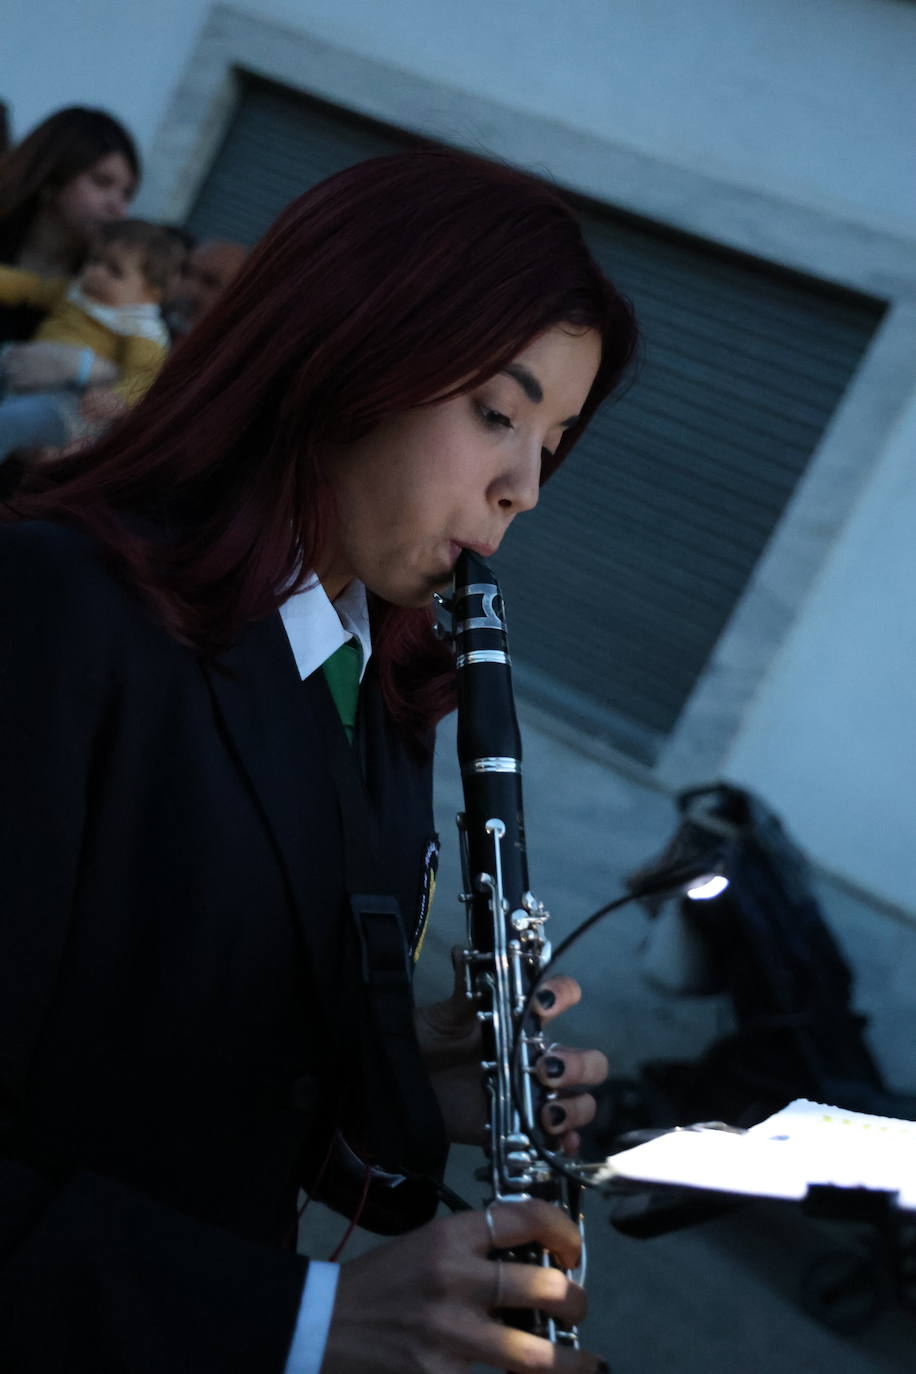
316,628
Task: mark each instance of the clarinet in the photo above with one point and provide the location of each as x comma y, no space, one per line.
506,945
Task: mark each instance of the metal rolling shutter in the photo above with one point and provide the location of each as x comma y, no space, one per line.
626,573
620,583
277,146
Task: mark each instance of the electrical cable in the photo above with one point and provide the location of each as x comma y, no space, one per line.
666,883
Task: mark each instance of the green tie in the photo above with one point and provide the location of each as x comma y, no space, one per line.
341,671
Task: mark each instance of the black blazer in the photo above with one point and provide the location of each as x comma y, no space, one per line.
171,888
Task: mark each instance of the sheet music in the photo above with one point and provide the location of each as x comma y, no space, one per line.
805,1144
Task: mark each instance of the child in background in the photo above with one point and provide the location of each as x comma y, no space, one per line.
110,311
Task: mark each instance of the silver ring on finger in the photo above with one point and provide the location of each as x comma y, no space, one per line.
491,1228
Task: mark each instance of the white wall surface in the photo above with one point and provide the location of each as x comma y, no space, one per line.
813,100
810,100
831,739
123,57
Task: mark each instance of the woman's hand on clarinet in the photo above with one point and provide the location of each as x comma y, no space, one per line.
450,1042
566,1071
426,1303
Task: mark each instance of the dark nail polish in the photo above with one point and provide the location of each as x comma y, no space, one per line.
554,1067
556,1115
546,998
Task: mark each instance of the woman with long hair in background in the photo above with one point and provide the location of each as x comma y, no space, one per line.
205,620
77,169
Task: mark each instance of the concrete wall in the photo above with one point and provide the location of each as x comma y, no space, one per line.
810,101
832,734
813,102
125,58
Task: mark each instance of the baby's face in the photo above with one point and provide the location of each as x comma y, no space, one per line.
113,276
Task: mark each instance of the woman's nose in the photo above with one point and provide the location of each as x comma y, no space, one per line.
521,487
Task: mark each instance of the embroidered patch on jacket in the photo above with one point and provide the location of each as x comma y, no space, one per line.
427,892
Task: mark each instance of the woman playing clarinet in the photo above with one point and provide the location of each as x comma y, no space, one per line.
218,689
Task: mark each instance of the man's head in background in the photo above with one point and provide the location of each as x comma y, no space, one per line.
208,270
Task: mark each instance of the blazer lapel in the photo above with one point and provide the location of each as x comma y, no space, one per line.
279,745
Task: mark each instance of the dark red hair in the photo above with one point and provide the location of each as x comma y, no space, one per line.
395,281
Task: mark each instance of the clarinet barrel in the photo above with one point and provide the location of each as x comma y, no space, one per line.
506,944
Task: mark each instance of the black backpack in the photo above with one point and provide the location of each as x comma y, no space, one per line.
768,946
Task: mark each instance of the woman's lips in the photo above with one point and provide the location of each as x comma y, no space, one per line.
484,550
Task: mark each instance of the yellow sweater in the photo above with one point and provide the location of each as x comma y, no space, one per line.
137,359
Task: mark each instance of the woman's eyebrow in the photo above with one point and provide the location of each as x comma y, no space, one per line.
533,389
526,380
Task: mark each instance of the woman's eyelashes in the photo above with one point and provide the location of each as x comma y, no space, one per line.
494,419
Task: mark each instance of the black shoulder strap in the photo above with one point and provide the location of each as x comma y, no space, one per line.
404,1124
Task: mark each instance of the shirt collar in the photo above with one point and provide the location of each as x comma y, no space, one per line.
316,627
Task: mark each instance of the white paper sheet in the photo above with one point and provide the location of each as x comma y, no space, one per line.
806,1143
